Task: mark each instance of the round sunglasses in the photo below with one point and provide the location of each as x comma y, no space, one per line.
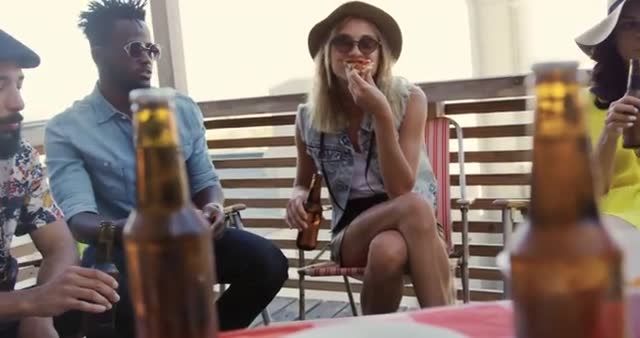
135,49
344,43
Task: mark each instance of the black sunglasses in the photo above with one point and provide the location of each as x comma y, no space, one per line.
135,49
343,43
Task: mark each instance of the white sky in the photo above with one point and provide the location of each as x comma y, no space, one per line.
244,48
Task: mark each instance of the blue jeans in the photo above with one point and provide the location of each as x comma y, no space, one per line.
253,266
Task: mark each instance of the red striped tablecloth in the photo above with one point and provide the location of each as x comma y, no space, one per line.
476,320
479,320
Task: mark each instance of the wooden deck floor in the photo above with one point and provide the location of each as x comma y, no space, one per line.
285,309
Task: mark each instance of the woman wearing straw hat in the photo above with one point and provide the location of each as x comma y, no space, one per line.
364,130
611,43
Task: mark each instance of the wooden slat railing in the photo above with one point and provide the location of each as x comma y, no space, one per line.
462,99
270,172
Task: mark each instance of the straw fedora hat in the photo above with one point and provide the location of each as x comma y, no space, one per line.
601,31
385,23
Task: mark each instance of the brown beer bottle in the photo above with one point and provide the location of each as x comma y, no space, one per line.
168,245
308,238
631,135
566,278
102,325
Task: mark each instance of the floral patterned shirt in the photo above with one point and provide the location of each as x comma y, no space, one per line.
26,204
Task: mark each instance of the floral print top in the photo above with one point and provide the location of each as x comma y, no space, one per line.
26,204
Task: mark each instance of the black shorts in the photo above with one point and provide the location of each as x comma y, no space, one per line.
352,210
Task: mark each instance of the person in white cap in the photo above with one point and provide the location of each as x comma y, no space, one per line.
26,207
611,43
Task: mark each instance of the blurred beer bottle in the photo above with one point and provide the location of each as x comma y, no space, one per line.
308,238
566,277
168,244
102,325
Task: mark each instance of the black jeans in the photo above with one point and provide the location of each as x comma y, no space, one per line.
253,266
67,325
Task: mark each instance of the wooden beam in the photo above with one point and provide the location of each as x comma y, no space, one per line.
281,203
313,284
440,91
512,130
490,106
475,179
167,32
255,105
267,121
275,141
493,227
290,162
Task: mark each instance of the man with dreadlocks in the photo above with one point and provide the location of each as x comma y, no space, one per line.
91,163
26,206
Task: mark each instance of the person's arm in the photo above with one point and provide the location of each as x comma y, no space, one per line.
305,167
604,154
399,156
203,180
204,183
77,288
86,227
621,115
59,283
16,305
58,288
71,185
43,220
57,247
55,243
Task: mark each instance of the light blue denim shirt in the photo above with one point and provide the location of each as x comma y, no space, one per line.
90,156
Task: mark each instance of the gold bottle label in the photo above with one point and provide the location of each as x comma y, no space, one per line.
558,109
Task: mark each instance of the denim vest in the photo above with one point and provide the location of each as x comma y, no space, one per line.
338,157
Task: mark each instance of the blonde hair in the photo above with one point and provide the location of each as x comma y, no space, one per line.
324,107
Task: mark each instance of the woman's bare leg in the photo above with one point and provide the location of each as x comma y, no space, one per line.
383,278
414,219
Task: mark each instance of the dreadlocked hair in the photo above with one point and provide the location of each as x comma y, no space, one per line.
98,21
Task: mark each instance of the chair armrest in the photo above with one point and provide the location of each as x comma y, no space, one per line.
507,206
464,203
518,204
234,208
232,215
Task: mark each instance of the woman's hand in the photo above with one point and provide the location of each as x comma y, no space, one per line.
296,216
622,114
365,93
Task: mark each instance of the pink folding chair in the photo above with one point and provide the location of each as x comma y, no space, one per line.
437,136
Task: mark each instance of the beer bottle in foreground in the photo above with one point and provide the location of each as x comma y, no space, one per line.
631,135
168,244
566,277
102,325
308,238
